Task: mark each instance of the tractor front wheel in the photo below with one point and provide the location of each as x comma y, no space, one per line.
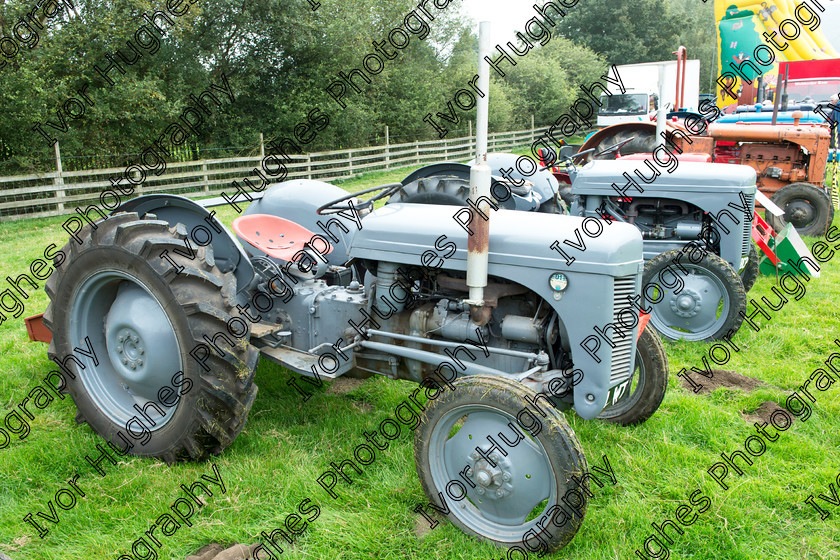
134,309
639,397
512,494
807,208
693,299
750,273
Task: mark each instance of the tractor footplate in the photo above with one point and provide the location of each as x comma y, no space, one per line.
268,334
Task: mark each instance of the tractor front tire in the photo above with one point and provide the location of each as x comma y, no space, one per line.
699,299
642,394
806,206
750,273
511,493
134,309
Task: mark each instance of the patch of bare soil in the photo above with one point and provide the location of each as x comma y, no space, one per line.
762,413
721,378
421,526
344,385
215,551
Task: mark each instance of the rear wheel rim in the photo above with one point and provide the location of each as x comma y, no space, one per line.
508,499
119,314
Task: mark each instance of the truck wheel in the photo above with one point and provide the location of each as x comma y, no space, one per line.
807,207
511,494
637,399
450,191
142,318
750,273
693,300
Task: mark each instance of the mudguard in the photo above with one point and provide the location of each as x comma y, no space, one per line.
203,228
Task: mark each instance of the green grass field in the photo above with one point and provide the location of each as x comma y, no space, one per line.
287,444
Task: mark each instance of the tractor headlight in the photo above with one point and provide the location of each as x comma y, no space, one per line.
558,281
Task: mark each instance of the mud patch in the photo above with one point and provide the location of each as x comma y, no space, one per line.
215,551
722,378
421,526
763,413
344,385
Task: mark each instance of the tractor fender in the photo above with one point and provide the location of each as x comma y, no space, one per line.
459,170
203,228
595,139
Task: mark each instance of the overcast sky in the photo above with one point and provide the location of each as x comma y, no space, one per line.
509,16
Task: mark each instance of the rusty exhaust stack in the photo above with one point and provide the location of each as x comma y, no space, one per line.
478,244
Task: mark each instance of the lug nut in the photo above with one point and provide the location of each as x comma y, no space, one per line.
139,362
135,340
474,455
141,351
121,338
500,493
125,361
494,457
480,490
506,477
119,348
133,365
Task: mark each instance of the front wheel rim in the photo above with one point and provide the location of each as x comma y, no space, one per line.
504,502
117,313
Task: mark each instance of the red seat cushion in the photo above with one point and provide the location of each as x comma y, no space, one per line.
274,236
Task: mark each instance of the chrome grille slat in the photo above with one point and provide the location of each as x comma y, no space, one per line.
620,367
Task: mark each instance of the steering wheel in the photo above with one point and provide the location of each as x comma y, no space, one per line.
615,147
571,159
333,207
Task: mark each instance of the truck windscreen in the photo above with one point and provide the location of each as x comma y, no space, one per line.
624,104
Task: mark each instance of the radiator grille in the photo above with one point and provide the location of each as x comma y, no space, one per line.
620,370
745,248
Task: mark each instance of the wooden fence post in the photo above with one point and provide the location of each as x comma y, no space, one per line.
350,160
309,166
417,149
262,146
387,147
59,179
204,177
471,142
533,138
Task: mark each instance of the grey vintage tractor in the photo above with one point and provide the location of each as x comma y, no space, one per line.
696,222
158,317
165,316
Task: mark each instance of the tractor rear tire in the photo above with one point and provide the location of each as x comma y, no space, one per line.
702,300
442,190
646,388
144,317
513,498
750,273
806,206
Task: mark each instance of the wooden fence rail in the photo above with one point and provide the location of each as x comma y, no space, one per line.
59,192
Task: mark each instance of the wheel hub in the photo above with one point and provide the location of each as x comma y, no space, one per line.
687,303
491,482
140,341
800,213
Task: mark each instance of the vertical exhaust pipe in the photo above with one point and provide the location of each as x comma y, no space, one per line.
478,244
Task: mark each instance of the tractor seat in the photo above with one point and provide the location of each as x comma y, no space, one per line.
274,236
